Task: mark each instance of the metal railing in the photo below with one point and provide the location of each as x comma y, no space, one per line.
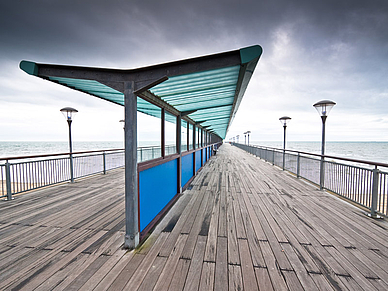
21,174
363,182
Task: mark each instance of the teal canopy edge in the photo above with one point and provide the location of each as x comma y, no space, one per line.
249,57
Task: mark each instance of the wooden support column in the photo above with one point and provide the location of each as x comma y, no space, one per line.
131,179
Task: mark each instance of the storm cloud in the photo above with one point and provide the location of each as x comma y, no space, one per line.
313,50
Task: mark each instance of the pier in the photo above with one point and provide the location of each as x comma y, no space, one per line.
241,224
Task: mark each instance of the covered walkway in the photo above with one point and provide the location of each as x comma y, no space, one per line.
242,224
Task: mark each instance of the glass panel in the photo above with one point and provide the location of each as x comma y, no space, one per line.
170,133
148,135
184,135
198,138
190,136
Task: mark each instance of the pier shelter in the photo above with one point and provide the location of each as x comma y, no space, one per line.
201,94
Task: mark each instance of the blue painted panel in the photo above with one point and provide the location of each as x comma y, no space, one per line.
157,186
197,161
203,156
187,168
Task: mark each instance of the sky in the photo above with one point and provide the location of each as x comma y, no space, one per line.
312,50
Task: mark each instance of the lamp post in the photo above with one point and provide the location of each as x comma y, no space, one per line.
245,135
248,132
323,107
284,120
68,112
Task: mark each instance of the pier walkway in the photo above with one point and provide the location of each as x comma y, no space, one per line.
241,225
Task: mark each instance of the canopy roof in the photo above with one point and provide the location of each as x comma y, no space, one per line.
206,90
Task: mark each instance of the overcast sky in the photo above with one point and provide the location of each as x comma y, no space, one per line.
312,50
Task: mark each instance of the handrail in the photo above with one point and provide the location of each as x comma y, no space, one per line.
365,186
326,156
24,173
56,155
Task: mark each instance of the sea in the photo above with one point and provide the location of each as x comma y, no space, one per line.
369,151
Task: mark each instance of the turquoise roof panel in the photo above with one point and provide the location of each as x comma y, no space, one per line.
206,90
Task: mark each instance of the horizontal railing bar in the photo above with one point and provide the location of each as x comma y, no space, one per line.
55,155
327,156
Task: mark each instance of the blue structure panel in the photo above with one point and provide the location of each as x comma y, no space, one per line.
203,156
157,186
198,160
187,168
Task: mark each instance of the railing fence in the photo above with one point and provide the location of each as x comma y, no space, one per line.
21,174
366,186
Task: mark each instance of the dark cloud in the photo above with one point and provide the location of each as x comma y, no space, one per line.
333,49
110,30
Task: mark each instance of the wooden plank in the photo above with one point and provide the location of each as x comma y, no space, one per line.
37,278
98,276
222,225
147,263
122,278
211,245
269,225
327,265
299,267
248,273
152,276
177,229
235,278
188,250
240,227
179,278
263,279
321,282
83,271
169,269
292,281
233,253
125,263
207,276
277,278
221,273
194,274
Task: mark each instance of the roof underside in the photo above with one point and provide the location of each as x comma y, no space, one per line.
205,90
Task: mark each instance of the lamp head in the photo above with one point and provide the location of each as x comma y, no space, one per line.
323,107
68,112
284,120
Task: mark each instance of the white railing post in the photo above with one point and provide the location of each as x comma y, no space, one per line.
8,180
375,192
298,166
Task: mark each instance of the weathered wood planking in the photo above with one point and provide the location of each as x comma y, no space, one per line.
243,225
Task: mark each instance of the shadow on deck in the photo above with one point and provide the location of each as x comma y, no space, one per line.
243,225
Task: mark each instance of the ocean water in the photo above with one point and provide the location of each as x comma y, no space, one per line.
369,151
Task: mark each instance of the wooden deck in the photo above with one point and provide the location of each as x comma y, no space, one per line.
242,225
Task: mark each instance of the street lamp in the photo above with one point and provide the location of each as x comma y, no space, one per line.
323,107
245,135
248,132
68,113
284,120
